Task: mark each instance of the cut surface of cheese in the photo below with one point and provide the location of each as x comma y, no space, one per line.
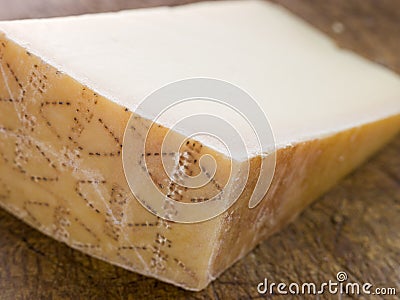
287,67
68,87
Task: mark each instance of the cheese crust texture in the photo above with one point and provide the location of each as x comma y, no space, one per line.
68,87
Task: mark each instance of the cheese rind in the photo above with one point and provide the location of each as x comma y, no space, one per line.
61,141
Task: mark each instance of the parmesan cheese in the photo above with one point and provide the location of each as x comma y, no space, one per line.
69,86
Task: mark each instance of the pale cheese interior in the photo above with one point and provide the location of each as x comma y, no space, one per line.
304,83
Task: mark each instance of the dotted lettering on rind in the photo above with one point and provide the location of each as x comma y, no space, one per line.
37,113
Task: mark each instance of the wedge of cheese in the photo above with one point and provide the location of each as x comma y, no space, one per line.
68,87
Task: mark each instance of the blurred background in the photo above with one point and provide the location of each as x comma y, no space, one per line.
354,228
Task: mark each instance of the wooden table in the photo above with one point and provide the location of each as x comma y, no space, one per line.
354,228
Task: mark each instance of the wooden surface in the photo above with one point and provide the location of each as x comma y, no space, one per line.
354,228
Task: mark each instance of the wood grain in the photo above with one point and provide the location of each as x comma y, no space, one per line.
354,228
